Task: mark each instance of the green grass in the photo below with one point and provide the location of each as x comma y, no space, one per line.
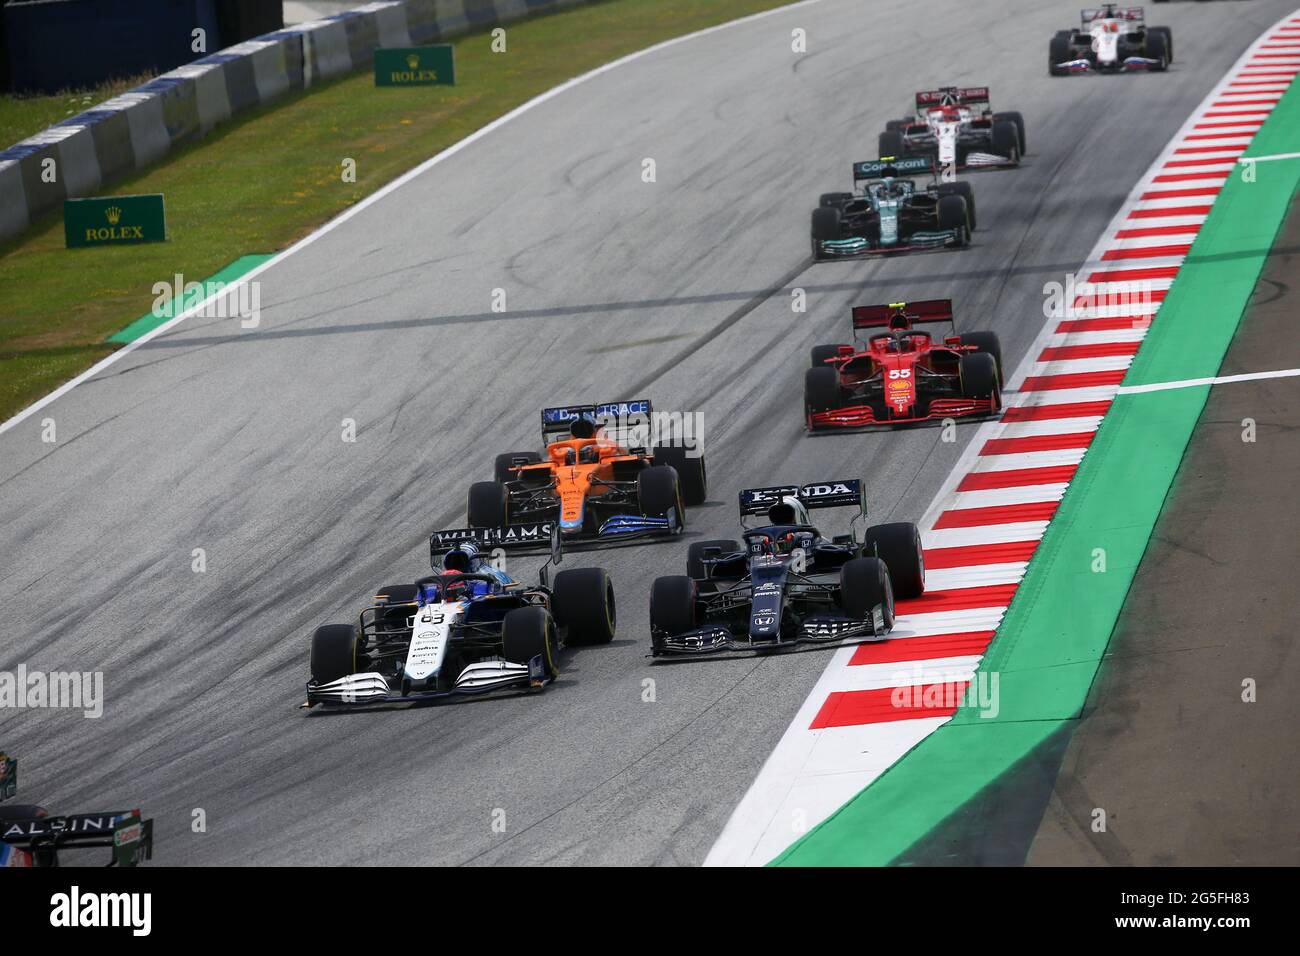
260,182
23,116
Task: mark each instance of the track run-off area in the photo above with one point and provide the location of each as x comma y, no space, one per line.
208,436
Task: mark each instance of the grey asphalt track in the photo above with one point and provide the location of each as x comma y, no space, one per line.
227,440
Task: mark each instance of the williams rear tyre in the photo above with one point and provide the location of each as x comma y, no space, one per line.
528,632
333,652
864,584
584,605
899,545
488,506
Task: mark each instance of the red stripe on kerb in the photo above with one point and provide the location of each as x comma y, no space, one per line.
1239,125
1187,228
1129,275
1185,163
1169,211
1220,113
1235,148
852,708
1146,252
1118,297
1016,478
932,648
1183,193
1223,104
1059,353
972,555
1104,325
996,514
1188,177
1048,383
1041,413
958,599
1032,443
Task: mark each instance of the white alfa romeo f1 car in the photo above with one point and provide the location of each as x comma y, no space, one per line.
956,128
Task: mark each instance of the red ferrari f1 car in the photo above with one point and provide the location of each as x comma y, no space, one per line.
901,374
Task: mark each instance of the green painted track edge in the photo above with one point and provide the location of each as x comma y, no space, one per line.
1049,646
151,320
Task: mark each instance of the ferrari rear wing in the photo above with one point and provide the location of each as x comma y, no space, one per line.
892,166
845,493
957,95
611,415
901,314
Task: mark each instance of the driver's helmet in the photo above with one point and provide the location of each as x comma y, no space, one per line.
460,559
789,510
588,455
583,428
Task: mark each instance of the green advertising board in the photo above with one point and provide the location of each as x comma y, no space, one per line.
415,66
114,221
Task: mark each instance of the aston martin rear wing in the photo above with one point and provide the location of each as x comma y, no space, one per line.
891,166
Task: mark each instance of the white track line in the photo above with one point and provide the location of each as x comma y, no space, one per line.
1219,380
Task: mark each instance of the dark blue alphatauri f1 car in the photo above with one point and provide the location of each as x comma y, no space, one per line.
787,583
892,213
466,629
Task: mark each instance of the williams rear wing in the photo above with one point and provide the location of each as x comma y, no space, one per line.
531,535
901,315
892,166
846,493
616,418
129,836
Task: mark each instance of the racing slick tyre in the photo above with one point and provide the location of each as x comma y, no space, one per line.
955,214
892,126
488,505
892,144
333,652
1013,117
820,353
1004,139
864,583
527,632
821,389
1058,51
692,477
833,199
1157,48
672,604
1169,39
695,555
979,375
987,342
964,190
826,223
659,493
899,546
501,468
584,605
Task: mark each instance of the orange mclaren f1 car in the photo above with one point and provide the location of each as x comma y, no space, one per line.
598,479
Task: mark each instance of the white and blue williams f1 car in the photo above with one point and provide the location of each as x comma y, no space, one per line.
787,583
466,629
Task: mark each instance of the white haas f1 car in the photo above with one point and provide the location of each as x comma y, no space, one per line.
1111,39
956,128
467,629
